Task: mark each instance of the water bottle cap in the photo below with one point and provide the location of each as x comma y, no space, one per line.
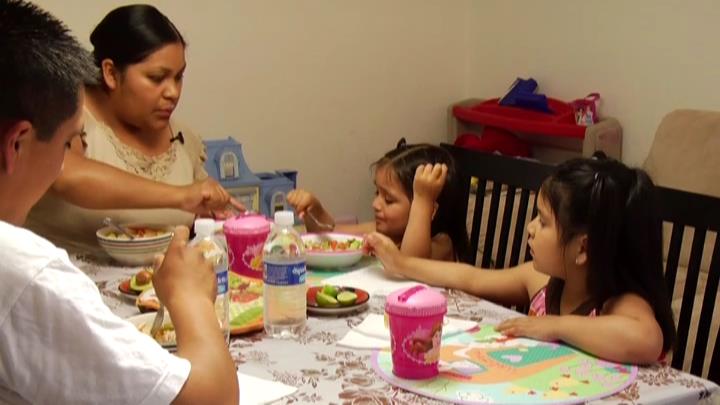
284,218
205,226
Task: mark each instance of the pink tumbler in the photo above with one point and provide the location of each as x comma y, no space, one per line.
245,235
416,317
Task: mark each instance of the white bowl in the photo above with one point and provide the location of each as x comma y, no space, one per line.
137,252
331,259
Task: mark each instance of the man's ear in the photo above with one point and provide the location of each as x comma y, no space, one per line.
110,75
12,139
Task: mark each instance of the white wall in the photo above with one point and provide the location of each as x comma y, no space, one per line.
645,57
322,86
326,86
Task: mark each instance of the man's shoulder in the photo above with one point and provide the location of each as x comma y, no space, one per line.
23,255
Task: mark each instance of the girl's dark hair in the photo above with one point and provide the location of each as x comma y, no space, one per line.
404,160
129,34
615,206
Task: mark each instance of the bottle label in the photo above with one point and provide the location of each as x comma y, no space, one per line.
284,274
221,275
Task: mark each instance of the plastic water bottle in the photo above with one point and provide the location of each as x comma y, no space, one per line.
284,275
214,249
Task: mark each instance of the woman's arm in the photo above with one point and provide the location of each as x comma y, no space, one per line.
512,286
96,185
626,332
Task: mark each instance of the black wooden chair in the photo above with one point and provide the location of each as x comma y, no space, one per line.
508,177
684,210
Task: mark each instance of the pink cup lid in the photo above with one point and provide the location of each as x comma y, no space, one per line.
251,224
416,301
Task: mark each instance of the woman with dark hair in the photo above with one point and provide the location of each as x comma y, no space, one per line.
413,205
140,57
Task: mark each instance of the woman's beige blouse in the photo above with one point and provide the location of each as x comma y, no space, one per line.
73,227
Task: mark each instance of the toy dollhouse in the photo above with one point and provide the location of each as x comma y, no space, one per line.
261,192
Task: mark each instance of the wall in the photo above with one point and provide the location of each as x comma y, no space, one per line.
322,86
646,57
326,87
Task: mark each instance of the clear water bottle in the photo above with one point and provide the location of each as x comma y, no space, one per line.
284,275
214,248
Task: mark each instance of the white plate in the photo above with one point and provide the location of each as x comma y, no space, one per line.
328,260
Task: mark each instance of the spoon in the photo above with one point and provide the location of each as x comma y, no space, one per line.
108,222
324,225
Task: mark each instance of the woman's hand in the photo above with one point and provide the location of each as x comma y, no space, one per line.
387,251
183,274
536,327
429,181
208,198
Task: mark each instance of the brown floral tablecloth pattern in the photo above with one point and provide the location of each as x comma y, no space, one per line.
326,373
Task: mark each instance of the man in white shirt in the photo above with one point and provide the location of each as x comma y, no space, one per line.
59,343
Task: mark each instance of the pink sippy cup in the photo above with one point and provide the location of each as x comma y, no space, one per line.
245,235
416,317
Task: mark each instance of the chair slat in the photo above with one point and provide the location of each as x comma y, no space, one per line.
519,227
505,226
477,220
673,257
688,299
706,314
490,227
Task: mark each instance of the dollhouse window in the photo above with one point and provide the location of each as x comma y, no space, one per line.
229,166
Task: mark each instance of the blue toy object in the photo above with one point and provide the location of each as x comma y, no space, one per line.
260,192
522,95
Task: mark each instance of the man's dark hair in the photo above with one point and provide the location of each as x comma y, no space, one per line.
42,67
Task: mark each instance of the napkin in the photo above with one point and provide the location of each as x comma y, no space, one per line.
254,391
371,279
371,333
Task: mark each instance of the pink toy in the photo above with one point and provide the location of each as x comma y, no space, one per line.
416,317
245,236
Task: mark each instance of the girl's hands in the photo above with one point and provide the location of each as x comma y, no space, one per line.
536,327
310,211
386,250
302,202
429,181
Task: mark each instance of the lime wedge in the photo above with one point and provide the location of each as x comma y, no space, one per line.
325,300
346,298
330,290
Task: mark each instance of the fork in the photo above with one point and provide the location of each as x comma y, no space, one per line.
109,222
158,321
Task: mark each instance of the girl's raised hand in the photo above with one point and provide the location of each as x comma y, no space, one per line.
386,250
302,201
429,181
536,327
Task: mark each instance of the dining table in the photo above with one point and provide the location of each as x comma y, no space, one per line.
326,373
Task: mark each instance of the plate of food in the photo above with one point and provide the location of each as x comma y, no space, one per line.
137,284
336,300
246,304
332,250
165,336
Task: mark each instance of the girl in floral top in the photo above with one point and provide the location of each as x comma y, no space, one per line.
595,280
